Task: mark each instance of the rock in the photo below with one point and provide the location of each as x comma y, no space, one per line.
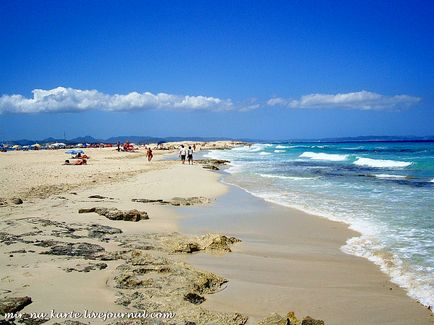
186,247
16,200
84,250
150,201
97,197
99,231
87,268
212,161
176,201
210,167
310,321
84,210
131,281
115,214
194,298
211,242
217,242
276,319
292,318
21,251
189,201
13,304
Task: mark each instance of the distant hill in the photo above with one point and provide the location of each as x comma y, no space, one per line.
149,139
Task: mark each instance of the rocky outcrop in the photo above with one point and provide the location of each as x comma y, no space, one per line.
100,231
210,242
210,167
177,201
115,214
83,250
310,321
290,319
158,283
14,200
212,161
13,304
87,267
212,164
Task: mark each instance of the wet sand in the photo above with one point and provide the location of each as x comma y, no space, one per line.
291,261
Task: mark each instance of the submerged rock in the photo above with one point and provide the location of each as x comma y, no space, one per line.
13,304
210,167
212,161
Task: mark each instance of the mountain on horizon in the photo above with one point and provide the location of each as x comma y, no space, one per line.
149,139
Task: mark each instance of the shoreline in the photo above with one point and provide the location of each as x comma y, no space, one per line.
54,221
261,245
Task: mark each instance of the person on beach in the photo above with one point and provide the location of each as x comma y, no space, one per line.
190,155
149,154
77,162
182,153
119,146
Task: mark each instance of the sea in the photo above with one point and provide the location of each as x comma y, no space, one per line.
383,190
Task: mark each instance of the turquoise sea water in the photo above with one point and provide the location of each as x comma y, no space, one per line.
384,190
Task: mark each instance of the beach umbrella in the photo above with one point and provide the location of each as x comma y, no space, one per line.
74,152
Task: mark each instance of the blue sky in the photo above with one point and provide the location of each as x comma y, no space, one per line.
259,69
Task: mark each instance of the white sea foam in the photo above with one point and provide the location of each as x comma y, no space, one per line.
418,287
263,153
387,176
287,177
278,151
380,163
323,156
432,181
279,146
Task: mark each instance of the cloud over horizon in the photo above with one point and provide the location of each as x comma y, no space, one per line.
362,100
63,99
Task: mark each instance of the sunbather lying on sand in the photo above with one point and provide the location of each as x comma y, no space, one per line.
80,156
77,162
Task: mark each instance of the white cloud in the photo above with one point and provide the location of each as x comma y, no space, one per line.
363,100
62,99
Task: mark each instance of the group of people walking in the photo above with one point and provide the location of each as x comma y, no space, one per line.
184,154
187,153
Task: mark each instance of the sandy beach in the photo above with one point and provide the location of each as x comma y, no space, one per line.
121,234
